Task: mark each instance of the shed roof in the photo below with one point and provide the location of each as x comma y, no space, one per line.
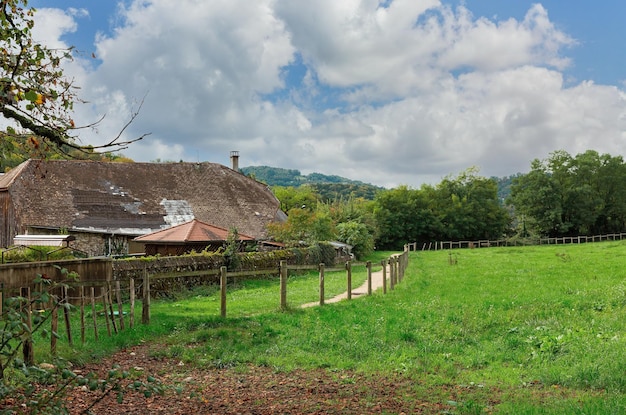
193,231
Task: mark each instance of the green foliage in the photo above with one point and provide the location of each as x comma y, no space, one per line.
233,247
468,207
15,149
35,94
36,253
33,90
321,253
296,197
569,196
329,192
274,176
356,234
465,207
303,225
328,187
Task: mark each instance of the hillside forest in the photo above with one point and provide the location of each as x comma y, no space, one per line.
561,195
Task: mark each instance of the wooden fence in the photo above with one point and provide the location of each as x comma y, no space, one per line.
107,306
483,243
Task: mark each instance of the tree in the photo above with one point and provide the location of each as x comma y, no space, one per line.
302,225
568,196
468,207
404,215
356,234
34,92
302,197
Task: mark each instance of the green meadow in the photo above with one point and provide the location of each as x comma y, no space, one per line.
524,330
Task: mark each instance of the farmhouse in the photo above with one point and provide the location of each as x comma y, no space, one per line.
106,205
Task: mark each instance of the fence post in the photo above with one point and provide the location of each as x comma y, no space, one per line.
82,314
394,264
110,301
104,307
131,293
392,278
321,267
145,308
120,307
349,278
94,317
384,264
66,315
28,350
368,265
54,327
223,281
283,285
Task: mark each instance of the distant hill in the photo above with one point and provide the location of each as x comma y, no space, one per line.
336,187
328,187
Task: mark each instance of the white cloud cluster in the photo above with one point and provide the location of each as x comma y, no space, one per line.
393,92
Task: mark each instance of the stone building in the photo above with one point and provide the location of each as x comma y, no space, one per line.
106,205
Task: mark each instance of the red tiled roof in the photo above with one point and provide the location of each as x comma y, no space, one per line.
192,231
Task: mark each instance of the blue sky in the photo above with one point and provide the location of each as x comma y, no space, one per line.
393,92
598,27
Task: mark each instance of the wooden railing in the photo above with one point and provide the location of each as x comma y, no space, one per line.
107,306
484,243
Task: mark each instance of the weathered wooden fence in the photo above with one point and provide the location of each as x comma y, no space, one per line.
109,306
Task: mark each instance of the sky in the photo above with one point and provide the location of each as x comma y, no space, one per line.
389,92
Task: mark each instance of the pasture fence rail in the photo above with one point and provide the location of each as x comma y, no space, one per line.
98,307
485,243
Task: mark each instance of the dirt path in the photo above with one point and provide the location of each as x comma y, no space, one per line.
377,283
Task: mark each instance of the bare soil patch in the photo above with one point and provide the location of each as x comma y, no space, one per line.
252,390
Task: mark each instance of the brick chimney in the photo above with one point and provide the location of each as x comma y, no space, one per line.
234,160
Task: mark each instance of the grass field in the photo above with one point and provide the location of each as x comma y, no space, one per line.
532,330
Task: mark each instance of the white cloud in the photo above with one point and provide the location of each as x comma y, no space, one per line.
406,93
486,45
51,25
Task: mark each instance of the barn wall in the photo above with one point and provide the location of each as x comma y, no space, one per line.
8,221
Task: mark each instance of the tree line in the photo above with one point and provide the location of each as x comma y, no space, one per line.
566,195
460,207
562,195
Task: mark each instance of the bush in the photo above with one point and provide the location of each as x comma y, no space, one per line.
321,253
36,253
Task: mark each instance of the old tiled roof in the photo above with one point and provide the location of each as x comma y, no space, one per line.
137,198
192,231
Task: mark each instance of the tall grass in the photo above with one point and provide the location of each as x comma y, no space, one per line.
534,330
